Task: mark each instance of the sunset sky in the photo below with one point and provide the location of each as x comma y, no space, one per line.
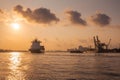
59,24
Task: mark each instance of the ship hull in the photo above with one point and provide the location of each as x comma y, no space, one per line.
109,51
76,51
36,51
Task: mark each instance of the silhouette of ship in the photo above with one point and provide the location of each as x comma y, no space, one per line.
36,47
80,49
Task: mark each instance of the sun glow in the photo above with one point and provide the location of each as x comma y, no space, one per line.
15,26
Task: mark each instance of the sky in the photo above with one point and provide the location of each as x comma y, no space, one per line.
59,24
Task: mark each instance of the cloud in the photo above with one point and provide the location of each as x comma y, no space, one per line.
100,19
2,16
114,26
39,15
1,11
75,18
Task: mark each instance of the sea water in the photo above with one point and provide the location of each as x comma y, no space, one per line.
59,66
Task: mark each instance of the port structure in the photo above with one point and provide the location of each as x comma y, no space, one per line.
99,46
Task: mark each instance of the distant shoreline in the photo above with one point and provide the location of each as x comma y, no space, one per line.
1,50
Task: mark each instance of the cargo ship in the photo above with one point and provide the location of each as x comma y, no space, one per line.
36,47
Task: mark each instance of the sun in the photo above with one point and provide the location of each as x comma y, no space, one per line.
15,26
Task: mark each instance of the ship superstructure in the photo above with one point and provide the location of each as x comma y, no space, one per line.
36,47
80,49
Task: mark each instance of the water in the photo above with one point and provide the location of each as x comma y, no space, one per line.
59,66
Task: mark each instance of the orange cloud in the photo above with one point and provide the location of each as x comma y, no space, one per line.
100,19
39,15
1,11
75,18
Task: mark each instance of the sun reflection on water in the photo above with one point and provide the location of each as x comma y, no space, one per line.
15,62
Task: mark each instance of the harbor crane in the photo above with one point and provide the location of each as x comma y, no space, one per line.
99,46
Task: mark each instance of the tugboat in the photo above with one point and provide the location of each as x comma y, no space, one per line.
75,51
80,49
36,47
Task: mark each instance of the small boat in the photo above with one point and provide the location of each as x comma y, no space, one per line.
36,47
75,51
80,49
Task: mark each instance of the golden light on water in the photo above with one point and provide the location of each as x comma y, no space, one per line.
15,62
